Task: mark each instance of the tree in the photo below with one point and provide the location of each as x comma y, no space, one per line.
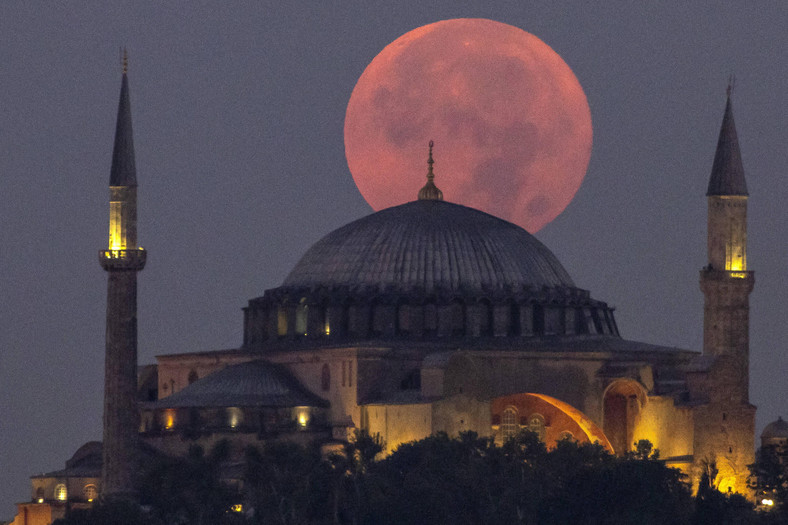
115,511
287,484
191,489
769,478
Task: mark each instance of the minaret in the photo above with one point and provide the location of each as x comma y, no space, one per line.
725,281
725,423
122,260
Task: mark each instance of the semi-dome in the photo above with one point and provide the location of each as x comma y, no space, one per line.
429,245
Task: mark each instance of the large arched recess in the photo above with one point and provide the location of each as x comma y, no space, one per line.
623,401
560,419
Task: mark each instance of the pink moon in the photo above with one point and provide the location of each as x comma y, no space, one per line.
510,121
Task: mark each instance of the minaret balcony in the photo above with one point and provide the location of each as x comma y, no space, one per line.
133,259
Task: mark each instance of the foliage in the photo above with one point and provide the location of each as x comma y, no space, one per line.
116,511
769,478
464,480
190,490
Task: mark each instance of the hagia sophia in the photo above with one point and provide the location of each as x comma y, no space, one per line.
421,318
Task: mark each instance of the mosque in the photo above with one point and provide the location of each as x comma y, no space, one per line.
421,318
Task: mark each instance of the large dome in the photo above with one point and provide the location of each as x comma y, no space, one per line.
429,245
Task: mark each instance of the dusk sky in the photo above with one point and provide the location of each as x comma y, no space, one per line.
238,113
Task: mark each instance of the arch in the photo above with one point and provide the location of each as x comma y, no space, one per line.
281,321
623,402
430,321
509,424
235,417
192,376
566,435
556,416
325,319
536,424
537,321
61,492
515,326
325,378
90,492
485,312
301,317
452,318
404,318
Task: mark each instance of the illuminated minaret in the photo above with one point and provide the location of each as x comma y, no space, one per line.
725,281
122,260
725,423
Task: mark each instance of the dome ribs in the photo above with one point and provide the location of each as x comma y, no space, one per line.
434,246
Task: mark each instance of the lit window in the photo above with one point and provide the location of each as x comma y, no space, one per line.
536,425
60,492
566,435
169,419
301,317
90,492
234,417
281,322
302,416
509,425
116,240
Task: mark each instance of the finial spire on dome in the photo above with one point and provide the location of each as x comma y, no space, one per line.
125,61
430,192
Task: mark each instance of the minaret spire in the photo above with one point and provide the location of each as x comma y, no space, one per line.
123,171
430,192
727,172
122,260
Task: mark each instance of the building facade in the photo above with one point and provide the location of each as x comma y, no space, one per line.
434,317
431,316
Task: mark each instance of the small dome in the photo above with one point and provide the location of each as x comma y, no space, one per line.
776,430
430,245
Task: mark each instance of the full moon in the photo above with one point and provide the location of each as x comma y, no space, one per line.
510,121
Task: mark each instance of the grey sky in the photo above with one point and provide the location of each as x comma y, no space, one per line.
238,114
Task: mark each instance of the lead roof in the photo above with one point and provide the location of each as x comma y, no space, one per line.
429,245
727,172
123,171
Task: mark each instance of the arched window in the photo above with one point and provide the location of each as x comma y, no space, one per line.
566,436
40,494
61,493
509,426
485,318
515,328
536,425
302,312
193,376
457,317
325,378
90,492
281,321
235,417
326,321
